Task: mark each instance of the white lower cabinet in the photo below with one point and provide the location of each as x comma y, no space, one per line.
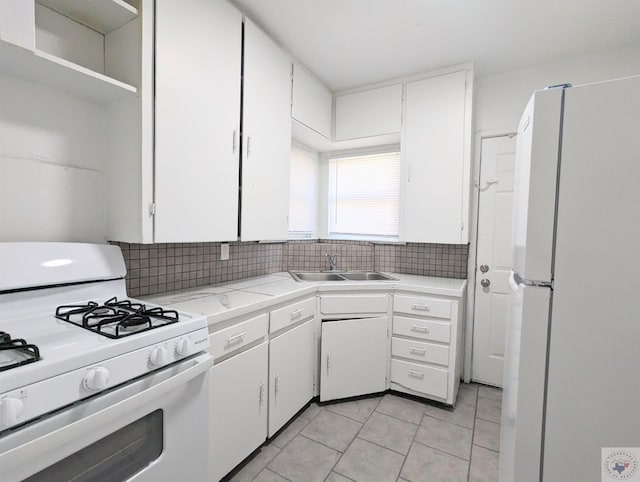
290,374
425,347
238,415
353,357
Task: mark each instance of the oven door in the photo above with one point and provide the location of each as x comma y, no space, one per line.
152,429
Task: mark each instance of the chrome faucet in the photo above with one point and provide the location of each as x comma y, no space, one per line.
333,261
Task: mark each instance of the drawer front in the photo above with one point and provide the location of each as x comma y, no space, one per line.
354,304
422,306
423,379
423,329
420,351
231,339
290,314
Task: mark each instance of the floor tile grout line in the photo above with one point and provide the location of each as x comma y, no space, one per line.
323,444
355,437
443,451
447,421
486,420
280,449
401,419
487,448
473,435
378,445
413,441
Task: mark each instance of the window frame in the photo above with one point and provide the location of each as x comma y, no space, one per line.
324,192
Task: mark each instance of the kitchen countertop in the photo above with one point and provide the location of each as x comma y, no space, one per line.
224,301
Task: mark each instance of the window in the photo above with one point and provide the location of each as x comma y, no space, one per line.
303,194
364,195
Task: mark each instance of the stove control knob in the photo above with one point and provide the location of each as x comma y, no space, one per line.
10,410
96,379
184,347
159,356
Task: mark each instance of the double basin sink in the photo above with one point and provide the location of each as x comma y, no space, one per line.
341,276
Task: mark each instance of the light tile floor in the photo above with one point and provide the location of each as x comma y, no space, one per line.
387,438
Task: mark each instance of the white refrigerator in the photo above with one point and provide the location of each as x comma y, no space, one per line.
572,361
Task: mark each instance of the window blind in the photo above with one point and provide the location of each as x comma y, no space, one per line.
364,195
303,194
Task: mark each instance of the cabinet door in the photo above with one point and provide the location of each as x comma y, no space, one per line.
433,153
370,113
266,138
197,82
311,103
238,415
353,357
290,374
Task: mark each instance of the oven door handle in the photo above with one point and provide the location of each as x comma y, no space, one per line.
27,455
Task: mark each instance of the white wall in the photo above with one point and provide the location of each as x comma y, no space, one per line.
501,98
499,102
52,153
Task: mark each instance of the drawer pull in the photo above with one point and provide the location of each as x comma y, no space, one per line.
296,313
277,384
232,340
415,374
421,308
420,329
418,351
262,394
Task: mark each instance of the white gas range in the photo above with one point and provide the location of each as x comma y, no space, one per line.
93,384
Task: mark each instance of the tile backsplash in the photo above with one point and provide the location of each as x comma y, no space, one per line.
156,268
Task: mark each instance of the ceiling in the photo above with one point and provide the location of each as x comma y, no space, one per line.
348,43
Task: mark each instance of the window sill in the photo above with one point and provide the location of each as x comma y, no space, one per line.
362,237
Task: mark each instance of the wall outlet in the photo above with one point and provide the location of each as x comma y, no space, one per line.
224,251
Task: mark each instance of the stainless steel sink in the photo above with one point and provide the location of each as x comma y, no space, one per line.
366,276
316,276
345,276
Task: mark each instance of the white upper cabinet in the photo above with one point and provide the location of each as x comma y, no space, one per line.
435,152
266,137
197,122
369,113
312,102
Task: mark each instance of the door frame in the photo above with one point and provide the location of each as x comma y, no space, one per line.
473,245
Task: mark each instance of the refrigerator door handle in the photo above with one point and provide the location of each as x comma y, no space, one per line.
512,281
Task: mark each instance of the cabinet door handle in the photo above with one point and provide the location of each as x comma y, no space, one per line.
415,374
421,308
248,146
236,338
418,351
328,361
262,394
235,141
277,384
420,329
296,313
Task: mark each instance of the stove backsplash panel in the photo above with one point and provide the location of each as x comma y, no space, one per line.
157,268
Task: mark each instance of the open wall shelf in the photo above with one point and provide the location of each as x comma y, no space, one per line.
44,68
102,16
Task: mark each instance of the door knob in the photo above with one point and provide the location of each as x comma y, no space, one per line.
485,282
484,268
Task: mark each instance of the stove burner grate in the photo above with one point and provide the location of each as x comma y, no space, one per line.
30,352
116,318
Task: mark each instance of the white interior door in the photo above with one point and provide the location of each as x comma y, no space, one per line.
493,256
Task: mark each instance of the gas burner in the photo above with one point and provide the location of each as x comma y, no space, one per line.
16,352
116,318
